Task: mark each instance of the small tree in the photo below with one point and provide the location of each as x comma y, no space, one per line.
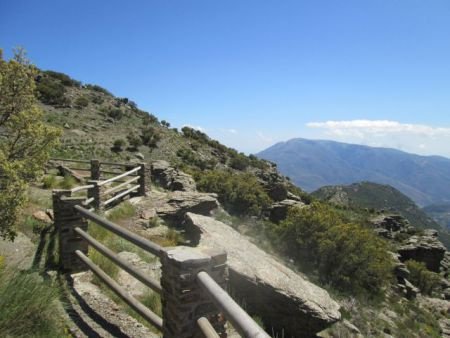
25,141
118,145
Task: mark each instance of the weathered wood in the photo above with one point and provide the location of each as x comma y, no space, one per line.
119,176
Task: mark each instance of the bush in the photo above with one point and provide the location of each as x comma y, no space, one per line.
134,141
98,89
240,194
426,280
65,80
239,162
81,102
118,145
49,182
116,113
68,182
27,306
52,92
150,137
348,256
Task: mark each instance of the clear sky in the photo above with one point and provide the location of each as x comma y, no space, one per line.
251,73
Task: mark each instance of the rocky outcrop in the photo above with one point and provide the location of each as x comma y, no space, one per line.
424,248
172,206
278,211
285,300
389,226
171,178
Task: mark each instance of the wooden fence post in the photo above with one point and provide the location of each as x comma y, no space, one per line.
141,190
95,170
66,220
184,302
95,192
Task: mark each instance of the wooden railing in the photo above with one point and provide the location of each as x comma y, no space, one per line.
192,282
101,189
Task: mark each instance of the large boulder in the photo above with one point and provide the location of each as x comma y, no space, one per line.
279,210
171,178
282,298
173,205
424,248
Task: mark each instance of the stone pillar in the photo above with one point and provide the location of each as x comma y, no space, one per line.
183,299
95,170
66,219
141,181
95,192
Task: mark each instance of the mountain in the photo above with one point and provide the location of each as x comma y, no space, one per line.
312,164
440,213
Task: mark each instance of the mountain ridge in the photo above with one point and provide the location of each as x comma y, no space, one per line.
312,164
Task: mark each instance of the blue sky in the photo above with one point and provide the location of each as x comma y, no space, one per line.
251,73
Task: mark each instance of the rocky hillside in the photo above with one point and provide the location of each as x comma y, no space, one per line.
312,164
380,198
440,213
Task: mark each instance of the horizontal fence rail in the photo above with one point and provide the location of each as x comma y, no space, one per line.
141,242
140,308
240,320
110,180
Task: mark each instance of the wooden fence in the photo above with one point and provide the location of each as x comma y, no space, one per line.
193,280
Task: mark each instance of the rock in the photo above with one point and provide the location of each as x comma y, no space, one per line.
171,178
278,211
130,283
291,196
352,328
139,156
411,290
424,248
66,125
42,216
400,269
389,225
283,299
277,192
78,132
148,214
173,207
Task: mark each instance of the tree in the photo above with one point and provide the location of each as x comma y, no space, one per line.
25,141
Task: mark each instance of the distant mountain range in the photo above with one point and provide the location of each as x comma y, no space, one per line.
312,164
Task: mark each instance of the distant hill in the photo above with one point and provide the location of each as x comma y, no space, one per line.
381,197
312,164
440,213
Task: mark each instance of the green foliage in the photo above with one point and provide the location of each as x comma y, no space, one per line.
49,182
426,280
134,141
149,119
99,89
52,92
28,306
68,182
150,137
116,113
239,162
241,194
25,140
64,79
347,256
81,102
190,158
118,145
122,211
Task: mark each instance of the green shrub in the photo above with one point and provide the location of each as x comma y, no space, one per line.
81,102
68,182
116,113
98,89
118,145
65,80
28,306
52,92
122,211
239,162
150,137
348,256
241,194
426,280
49,182
134,141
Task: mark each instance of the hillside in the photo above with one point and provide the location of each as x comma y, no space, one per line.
440,213
380,197
312,164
